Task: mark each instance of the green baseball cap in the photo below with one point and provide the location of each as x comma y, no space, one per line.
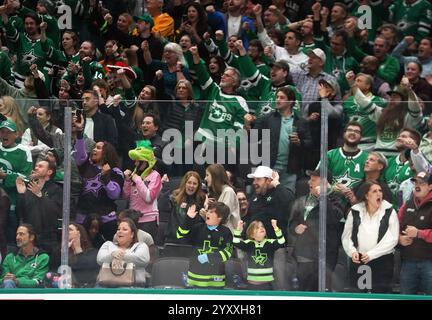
145,17
8,124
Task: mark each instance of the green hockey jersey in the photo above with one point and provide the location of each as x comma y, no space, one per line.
221,111
6,68
259,91
361,113
260,255
395,173
346,170
412,19
16,161
28,52
337,66
52,32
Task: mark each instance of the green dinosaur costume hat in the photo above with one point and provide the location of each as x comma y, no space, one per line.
143,152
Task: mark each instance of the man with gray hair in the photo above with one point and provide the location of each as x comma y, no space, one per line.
374,167
224,109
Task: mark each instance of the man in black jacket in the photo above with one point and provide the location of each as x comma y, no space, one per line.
271,201
289,138
98,126
39,203
305,228
149,131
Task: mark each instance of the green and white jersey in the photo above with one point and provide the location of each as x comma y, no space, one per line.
396,173
52,32
28,52
259,91
16,161
346,170
378,15
222,111
92,71
306,47
357,111
412,19
6,68
56,56
426,147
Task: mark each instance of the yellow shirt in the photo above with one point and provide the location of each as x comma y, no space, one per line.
164,24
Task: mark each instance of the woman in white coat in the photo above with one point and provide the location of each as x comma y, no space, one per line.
370,235
127,249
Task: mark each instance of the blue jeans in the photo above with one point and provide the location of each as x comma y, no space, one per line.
416,276
8,284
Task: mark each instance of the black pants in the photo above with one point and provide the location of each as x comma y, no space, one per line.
263,286
381,271
108,229
307,274
150,227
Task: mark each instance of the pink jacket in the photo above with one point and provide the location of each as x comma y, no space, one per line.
142,195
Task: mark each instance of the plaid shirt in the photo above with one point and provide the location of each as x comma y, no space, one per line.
309,87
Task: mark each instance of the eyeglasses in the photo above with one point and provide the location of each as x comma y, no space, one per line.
354,131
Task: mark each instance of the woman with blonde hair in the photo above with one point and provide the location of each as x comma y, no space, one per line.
173,65
9,108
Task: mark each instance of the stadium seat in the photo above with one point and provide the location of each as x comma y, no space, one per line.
170,273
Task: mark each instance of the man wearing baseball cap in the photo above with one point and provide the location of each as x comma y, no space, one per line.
271,201
307,81
15,160
415,219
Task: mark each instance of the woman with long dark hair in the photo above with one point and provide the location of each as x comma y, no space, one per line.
29,139
103,181
370,235
402,111
220,190
82,257
126,249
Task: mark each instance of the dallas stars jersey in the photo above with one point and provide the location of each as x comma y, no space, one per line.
92,71
217,244
306,47
222,111
56,56
260,255
414,19
52,31
6,68
16,161
346,170
337,66
362,114
260,88
28,52
378,14
395,173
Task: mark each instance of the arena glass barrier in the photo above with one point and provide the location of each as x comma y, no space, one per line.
307,252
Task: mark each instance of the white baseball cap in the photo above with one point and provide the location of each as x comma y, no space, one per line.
261,172
319,53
